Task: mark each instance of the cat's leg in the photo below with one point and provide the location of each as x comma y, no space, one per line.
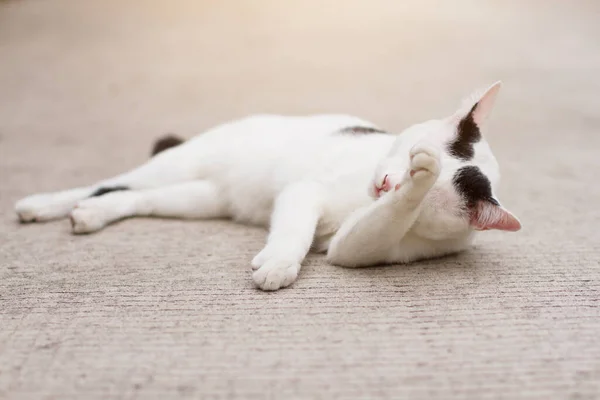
192,200
372,234
49,206
165,168
293,223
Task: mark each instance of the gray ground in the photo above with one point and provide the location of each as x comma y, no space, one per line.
158,309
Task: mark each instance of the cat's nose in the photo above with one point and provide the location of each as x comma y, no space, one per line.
383,186
385,183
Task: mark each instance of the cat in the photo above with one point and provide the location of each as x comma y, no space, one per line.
330,183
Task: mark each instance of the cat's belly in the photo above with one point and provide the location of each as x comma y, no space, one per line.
252,203
345,196
253,173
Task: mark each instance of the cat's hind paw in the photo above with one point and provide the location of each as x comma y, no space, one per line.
42,207
276,274
91,215
86,220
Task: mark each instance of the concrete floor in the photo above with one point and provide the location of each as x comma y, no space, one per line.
163,309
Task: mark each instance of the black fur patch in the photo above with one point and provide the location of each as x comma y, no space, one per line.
466,136
165,143
361,130
473,185
103,190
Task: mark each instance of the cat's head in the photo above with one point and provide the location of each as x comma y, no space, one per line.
464,196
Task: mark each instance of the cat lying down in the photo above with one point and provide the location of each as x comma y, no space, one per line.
333,183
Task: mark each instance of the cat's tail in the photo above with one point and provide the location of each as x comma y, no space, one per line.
166,142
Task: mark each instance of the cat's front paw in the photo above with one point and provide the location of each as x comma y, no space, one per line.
424,162
276,273
393,175
423,171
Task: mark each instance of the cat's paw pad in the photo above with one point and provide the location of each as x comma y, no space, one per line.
88,216
275,274
424,161
39,207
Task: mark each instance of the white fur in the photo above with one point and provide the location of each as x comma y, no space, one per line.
314,187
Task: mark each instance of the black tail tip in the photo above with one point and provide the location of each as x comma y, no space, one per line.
166,142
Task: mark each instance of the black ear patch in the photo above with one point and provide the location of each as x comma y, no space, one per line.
360,130
466,136
165,143
473,185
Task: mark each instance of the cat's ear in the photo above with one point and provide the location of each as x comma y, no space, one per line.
489,215
479,105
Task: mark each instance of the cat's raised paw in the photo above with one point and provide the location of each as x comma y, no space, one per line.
276,274
424,161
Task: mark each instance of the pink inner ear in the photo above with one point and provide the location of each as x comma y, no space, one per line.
488,216
485,104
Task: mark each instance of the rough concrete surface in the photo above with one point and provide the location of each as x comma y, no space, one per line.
162,309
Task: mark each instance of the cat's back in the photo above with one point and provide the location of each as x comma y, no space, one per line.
308,146
295,145
269,127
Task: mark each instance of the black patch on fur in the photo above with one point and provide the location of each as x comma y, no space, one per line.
361,130
103,190
473,185
466,136
165,143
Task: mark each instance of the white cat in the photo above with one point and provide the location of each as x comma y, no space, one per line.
332,183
